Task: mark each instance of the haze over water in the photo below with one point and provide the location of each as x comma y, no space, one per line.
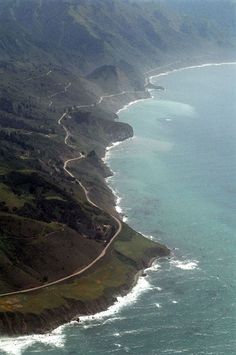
177,182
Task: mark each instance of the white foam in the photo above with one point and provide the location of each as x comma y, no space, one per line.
112,146
142,286
147,236
158,288
115,193
118,200
116,334
125,219
131,104
174,302
185,265
113,319
16,346
158,305
108,149
155,266
133,331
118,345
191,67
118,209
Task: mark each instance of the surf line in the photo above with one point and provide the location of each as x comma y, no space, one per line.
86,192
205,65
193,264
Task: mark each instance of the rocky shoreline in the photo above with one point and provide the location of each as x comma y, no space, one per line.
16,319
43,311
17,323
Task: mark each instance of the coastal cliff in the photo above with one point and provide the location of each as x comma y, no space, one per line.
43,310
89,229
64,73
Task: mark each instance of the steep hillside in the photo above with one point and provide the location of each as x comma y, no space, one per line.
58,55
84,34
86,58
66,67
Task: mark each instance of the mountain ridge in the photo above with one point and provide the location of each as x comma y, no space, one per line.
73,57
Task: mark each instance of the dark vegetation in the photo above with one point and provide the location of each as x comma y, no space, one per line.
89,293
55,56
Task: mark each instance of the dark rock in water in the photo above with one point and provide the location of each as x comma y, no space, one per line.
160,88
153,86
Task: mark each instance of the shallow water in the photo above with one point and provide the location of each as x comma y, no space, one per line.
176,180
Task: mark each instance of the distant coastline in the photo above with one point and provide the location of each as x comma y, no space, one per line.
71,308
115,144
214,64
104,305
131,103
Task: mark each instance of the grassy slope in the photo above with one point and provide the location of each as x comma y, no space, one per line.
115,272
34,252
70,39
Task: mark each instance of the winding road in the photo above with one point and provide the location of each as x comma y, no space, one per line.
86,192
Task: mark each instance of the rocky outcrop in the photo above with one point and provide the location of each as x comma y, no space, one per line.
115,79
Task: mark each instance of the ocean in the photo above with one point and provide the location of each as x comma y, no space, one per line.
176,182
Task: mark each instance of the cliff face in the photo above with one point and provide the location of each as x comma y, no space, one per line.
72,56
116,79
99,128
44,310
36,192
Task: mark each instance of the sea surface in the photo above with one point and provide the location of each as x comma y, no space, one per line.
176,180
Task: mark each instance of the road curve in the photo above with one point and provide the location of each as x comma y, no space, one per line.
76,273
86,192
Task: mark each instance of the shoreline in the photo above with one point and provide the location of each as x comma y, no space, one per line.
128,105
118,198
130,295
138,274
115,144
204,65
15,345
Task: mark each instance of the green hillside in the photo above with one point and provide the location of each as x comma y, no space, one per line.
85,58
56,55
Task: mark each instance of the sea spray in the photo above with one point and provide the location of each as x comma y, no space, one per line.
17,345
198,297
143,285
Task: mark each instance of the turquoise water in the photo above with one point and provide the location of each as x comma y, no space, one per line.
177,183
